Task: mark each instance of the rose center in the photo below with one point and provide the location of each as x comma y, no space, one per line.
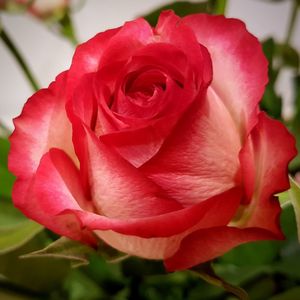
141,88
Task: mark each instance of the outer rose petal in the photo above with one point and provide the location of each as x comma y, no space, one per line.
207,244
264,161
56,179
239,65
42,125
202,214
160,245
87,57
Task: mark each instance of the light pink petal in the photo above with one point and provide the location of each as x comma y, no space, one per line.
159,237
206,244
54,188
137,145
264,160
201,215
43,124
239,65
200,159
117,188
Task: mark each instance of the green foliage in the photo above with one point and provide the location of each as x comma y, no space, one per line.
65,249
183,8
37,275
294,124
7,179
13,237
294,193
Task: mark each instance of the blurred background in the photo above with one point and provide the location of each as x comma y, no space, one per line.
48,54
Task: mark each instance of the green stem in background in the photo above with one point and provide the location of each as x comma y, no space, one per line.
67,29
19,58
206,272
220,7
293,18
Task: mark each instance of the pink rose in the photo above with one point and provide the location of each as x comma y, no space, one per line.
153,141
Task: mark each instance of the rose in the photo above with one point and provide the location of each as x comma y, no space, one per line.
42,9
153,142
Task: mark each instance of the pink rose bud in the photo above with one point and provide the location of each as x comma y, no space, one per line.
153,141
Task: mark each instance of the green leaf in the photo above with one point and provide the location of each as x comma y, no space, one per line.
289,266
16,236
11,295
271,102
288,55
35,274
295,199
15,228
240,275
9,215
269,49
65,249
4,149
181,8
7,179
295,124
6,182
246,254
80,286
284,198
288,223
291,294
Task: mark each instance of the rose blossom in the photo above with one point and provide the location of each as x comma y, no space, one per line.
153,141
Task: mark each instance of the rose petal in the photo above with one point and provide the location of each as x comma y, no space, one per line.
171,29
56,179
130,38
239,65
202,215
264,160
207,244
83,104
87,57
200,159
118,189
164,247
130,135
43,124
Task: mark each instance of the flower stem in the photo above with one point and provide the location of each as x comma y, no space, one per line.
206,272
67,29
220,7
19,58
293,18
